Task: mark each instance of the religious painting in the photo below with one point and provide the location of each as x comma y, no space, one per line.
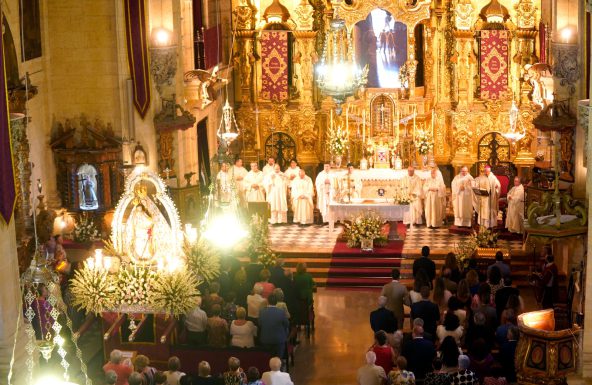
30,21
87,188
381,44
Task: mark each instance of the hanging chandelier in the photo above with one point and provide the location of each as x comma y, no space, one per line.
514,134
228,130
338,75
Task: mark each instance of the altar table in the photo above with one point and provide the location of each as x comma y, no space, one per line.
386,209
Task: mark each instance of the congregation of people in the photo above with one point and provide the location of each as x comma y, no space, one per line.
462,325
247,307
292,188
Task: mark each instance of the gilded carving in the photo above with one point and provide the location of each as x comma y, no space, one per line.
304,16
463,15
244,15
526,14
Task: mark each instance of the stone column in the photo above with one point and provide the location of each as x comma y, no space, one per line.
10,308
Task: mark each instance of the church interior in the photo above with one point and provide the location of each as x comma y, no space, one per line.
275,192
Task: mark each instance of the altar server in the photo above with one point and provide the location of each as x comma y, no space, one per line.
488,206
238,173
269,167
302,193
276,186
323,185
349,185
292,172
434,190
462,198
515,217
224,184
412,185
253,184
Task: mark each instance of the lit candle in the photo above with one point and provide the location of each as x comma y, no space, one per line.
99,258
364,125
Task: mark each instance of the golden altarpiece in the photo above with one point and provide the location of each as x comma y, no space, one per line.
450,70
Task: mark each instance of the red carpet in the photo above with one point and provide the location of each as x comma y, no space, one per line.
355,268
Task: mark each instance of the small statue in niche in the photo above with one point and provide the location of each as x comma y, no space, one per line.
297,80
87,190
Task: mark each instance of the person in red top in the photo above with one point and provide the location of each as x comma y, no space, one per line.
550,282
123,368
268,287
385,355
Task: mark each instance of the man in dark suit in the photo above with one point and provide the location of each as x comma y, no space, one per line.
427,311
396,296
419,353
425,263
382,318
550,283
502,295
278,274
273,327
499,262
507,354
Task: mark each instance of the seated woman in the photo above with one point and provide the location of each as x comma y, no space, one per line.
242,332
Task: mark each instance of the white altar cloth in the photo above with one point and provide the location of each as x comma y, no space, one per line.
380,174
385,208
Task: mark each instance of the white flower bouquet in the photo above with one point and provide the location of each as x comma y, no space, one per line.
337,140
423,142
85,229
93,290
365,226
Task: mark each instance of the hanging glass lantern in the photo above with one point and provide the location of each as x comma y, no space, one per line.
228,130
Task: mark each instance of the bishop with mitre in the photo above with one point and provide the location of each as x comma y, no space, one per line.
434,190
488,206
323,185
462,198
412,185
276,186
253,184
515,215
302,204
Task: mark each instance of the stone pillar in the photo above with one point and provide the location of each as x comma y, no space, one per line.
10,307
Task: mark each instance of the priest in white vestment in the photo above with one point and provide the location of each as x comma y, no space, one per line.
253,184
276,185
302,204
269,167
238,173
462,198
349,185
434,190
515,215
413,186
292,172
324,191
488,207
224,184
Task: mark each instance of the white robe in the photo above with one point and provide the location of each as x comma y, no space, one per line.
268,169
302,192
276,187
488,207
238,175
412,185
292,171
324,192
349,187
434,209
224,185
462,200
515,215
254,189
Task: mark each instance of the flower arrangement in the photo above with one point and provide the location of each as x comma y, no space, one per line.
258,243
175,293
485,238
466,248
203,259
134,284
85,229
402,197
337,140
93,290
423,142
367,225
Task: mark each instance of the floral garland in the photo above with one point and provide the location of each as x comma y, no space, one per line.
175,293
203,259
337,140
365,226
423,142
93,290
85,229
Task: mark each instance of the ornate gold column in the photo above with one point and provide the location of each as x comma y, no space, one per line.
244,60
304,66
462,140
464,57
411,62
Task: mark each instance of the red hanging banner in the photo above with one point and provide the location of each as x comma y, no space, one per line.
274,54
137,53
494,64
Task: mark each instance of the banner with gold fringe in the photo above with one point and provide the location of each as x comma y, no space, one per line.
494,64
137,53
7,186
275,68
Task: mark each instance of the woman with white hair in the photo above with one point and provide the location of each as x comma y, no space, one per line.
255,302
122,368
371,374
464,376
274,376
243,332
